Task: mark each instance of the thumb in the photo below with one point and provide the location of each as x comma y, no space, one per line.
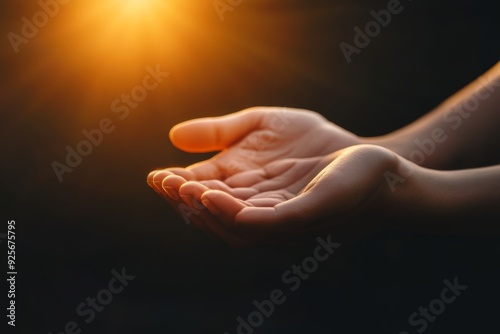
215,133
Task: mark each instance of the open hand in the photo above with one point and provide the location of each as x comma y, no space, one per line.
292,196
249,140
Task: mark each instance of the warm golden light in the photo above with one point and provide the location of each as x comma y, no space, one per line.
138,9
136,4
119,26
114,40
100,49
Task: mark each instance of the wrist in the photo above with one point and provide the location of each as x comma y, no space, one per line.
443,201
391,142
415,195
337,138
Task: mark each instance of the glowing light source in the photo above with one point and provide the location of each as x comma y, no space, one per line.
138,7
118,35
100,48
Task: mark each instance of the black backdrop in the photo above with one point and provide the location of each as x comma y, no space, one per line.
103,216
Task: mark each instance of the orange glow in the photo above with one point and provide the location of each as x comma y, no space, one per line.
94,51
117,33
138,6
102,47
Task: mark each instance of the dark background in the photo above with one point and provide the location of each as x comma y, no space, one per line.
103,216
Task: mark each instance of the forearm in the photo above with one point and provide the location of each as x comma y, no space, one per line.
457,132
464,200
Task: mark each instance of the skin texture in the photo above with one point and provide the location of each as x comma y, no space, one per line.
469,119
281,173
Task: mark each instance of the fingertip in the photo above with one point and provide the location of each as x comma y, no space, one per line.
155,179
176,180
170,185
192,188
159,174
211,207
149,178
172,133
191,136
191,193
212,195
211,200
221,203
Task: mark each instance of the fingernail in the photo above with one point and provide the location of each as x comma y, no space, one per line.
211,207
188,199
171,192
150,177
157,183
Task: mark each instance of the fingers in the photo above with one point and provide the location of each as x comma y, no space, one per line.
247,178
277,207
219,209
276,219
222,205
214,133
155,179
255,223
290,174
271,174
191,193
216,211
171,184
265,202
208,170
240,193
340,191
167,185
337,192
203,170
185,197
271,198
183,172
